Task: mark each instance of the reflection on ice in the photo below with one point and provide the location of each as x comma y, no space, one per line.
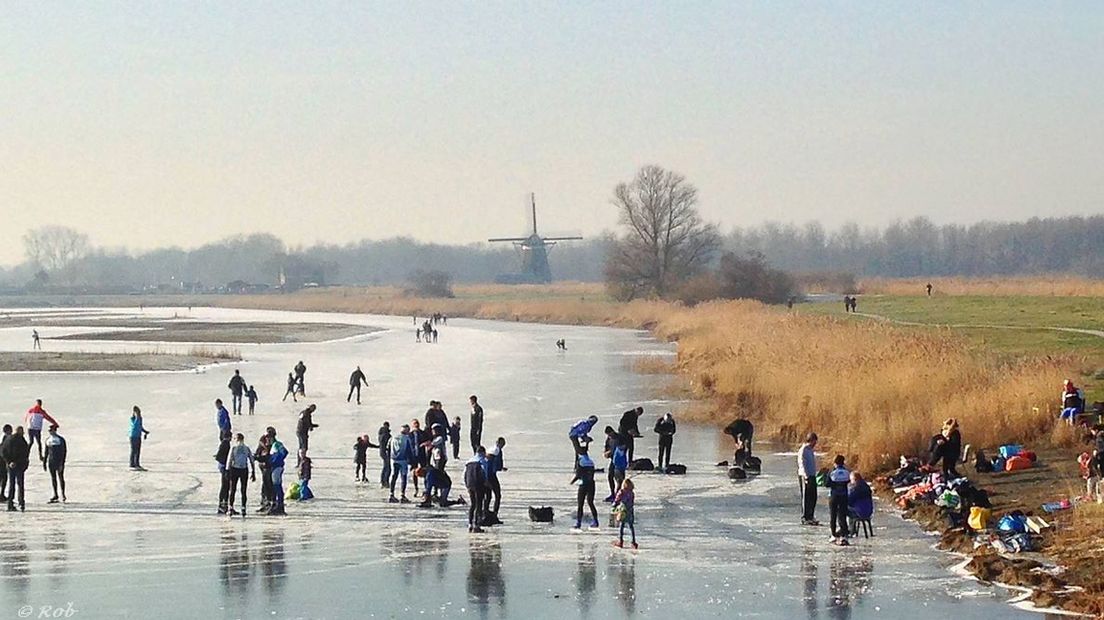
485,581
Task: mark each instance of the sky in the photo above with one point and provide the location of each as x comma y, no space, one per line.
146,124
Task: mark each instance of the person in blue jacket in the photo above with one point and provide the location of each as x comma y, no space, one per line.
580,436
138,432
860,501
223,420
276,457
838,480
402,455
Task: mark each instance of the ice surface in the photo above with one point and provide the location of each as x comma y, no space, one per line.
148,544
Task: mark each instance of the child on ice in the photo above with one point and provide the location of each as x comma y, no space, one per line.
623,509
304,476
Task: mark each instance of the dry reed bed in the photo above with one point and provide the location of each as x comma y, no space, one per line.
872,390
1053,285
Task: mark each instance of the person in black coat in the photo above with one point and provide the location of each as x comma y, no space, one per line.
742,432
946,448
629,428
666,429
16,454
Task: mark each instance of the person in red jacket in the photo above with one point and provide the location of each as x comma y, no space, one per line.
34,420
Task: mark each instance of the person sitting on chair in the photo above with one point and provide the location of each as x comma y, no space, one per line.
860,502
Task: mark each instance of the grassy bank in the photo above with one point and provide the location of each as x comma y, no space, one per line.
1053,285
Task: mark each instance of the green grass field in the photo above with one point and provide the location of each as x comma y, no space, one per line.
976,317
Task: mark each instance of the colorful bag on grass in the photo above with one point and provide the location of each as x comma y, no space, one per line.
949,499
998,463
1017,463
1010,450
979,518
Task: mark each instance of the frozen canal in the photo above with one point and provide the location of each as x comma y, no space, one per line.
148,544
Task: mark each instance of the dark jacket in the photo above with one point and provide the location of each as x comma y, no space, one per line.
434,417
740,427
384,440
223,452
306,423
360,450
860,500
454,433
630,422
16,452
476,427
475,476
236,385
666,428
357,378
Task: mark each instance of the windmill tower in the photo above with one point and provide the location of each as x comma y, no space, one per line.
534,253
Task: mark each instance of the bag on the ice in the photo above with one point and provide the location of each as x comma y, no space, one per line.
642,465
753,464
979,518
540,514
736,473
293,491
675,469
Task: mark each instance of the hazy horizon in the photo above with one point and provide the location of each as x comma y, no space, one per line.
161,125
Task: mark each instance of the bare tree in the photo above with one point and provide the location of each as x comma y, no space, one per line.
665,240
55,249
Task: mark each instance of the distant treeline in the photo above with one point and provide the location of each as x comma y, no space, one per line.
920,248
260,259
915,248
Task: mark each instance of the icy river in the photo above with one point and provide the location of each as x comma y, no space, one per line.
149,544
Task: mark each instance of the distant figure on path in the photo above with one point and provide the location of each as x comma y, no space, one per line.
561,344
36,342
475,432
138,432
34,420
847,303
929,287
355,380
290,388
237,389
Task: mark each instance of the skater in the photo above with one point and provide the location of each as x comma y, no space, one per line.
221,455
454,437
584,475
742,432
418,440
402,455
304,427
561,344
222,418
434,336
304,477
251,396
612,441
290,389
665,428
418,335
629,429
806,478
475,480
475,431
261,456
838,479
138,433
495,464
360,459
580,437
301,378
4,437
36,342
239,462
383,438
623,507
929,288
277,456
55,460
34,420
237,389
16,454
355,381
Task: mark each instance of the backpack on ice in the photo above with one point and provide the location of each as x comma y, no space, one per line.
293,491
642,465
753,464
675,469
736,473
540,514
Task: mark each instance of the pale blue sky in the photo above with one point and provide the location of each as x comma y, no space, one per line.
148,124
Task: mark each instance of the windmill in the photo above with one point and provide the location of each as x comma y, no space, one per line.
534,254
